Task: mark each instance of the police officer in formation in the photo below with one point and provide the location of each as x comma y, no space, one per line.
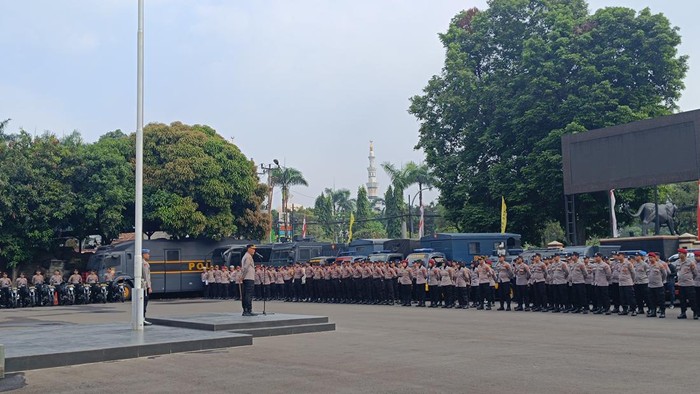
562,283
687,271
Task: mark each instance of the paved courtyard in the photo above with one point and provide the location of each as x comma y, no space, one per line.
378,349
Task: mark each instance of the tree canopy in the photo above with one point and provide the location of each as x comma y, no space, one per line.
196,184
519,75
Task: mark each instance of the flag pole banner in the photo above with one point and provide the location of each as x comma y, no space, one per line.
352,221
421,224
613,217
504,215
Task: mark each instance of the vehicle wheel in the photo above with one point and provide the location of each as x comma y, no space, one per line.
126,295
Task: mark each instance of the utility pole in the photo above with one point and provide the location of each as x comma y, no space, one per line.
291,220
410,222
268,170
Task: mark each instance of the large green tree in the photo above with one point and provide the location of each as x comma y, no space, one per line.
519,75
200,185
196,184
101,179
393,212
36,197
367,225
363,210
323,210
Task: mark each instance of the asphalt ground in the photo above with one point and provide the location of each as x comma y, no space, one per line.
392,349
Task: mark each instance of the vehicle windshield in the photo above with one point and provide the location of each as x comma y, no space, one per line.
417,256
95,260
378,257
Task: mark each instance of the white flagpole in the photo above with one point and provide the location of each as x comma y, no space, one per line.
137,295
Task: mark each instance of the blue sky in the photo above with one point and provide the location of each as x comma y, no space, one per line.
307,82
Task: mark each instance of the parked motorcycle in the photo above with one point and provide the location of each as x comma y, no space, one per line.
102,293
14,297
33,298
118,292
5,297
69,295
83,294
49,295
23,299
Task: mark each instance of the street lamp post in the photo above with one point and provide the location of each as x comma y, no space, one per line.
268,170
410,203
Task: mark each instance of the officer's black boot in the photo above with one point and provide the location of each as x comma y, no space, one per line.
623,312
662,313
682,315
651,312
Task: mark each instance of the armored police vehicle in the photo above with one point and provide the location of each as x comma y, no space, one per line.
176,265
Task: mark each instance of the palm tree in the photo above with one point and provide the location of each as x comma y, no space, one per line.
400,181
399,176
342,203
421,174
410,174
3,124
285,178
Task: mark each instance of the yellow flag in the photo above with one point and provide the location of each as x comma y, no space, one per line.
352,221
504,215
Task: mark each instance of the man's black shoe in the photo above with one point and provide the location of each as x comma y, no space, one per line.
247,314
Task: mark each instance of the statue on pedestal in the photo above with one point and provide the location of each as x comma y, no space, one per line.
647,214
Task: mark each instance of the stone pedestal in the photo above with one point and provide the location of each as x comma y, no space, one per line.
555,245
688,241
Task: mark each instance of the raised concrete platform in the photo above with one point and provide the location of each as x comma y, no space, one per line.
257,326
2,361
36,348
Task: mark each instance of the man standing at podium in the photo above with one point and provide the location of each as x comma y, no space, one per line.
248,275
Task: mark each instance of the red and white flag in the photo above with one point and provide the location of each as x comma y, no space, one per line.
421,223
613,217
303,228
